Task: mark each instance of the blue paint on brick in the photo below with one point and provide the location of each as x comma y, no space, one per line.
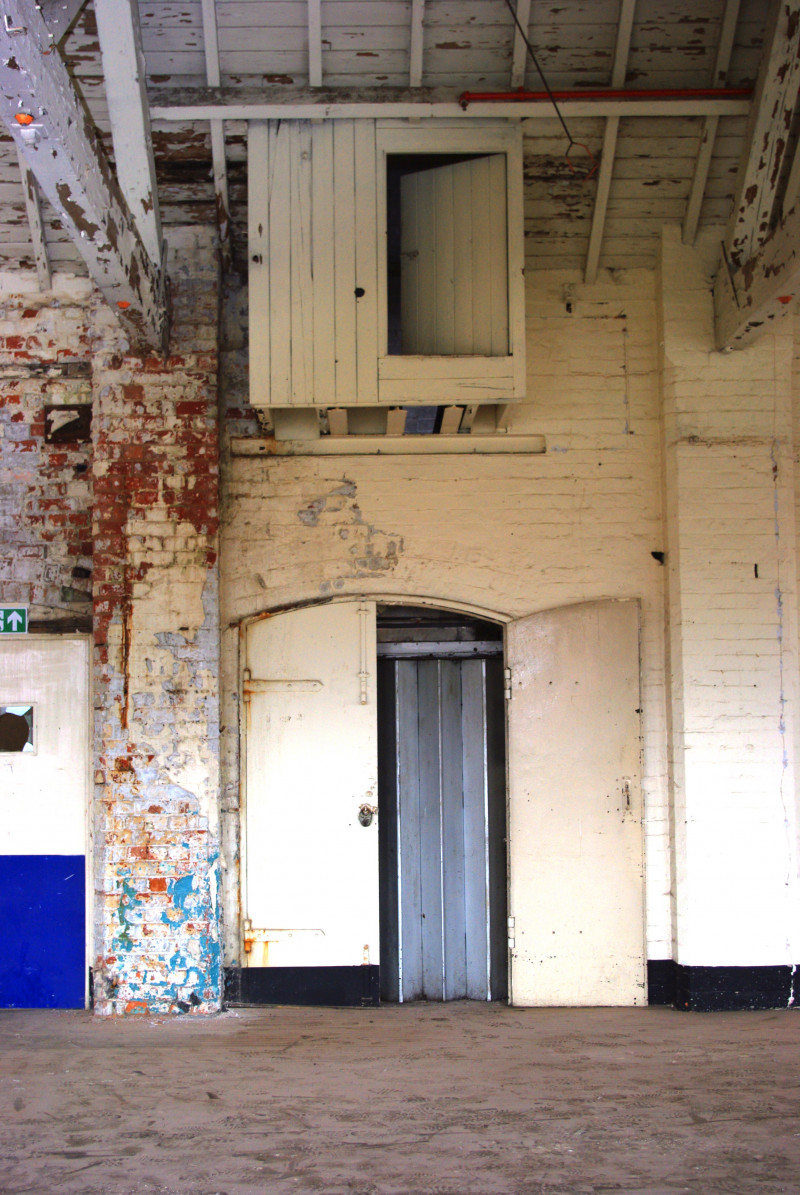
42,931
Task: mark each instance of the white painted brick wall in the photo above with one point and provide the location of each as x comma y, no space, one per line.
733,629
505,534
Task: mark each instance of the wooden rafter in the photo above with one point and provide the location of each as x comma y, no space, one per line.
762,291
35,223
618,70
60,147
124,72
761,272
519,58
710,124
767,134
314,43
60,15
217,132
415,52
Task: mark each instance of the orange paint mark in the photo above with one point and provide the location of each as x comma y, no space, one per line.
123,304
785,298
23,118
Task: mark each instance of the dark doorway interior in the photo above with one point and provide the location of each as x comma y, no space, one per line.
442,820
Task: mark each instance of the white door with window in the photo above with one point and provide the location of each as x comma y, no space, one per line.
311,833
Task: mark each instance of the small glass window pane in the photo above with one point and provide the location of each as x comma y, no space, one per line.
16,728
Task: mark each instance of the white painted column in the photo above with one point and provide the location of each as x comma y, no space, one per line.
732,627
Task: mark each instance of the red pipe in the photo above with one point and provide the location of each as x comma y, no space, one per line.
659,93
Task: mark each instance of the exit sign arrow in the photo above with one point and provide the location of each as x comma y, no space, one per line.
13,620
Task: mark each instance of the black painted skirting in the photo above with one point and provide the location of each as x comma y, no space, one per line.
343,987
721,989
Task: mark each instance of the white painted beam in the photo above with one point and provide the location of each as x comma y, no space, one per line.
366,445
219,165
60,15
610,133
761,291
124,72
415,52
314,43
767,133
308,107
519,58
35,223
710,124
60,147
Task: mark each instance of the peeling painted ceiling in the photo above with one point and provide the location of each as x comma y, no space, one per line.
274,48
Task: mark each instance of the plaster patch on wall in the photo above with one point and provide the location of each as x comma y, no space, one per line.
369,551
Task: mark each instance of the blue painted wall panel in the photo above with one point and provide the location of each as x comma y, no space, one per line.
42,931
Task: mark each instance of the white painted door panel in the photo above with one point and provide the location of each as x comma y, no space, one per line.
311,867
575,817
43,792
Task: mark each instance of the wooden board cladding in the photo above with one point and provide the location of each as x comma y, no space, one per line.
318,268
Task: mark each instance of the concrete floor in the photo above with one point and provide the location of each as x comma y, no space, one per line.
423,1098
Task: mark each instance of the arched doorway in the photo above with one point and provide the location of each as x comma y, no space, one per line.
442,801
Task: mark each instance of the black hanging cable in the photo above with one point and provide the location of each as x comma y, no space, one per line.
552,98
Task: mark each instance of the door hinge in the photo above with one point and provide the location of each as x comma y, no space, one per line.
507,683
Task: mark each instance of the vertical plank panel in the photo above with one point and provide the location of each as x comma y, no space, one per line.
476,837
444,196
498,254
366,262
463,320
302,340
427,312
452,800
430,823
409,259
280,328
323,237
481,257
409,865
344,205
496,794
258,135
515,231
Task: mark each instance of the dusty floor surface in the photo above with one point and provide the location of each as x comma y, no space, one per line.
425,1098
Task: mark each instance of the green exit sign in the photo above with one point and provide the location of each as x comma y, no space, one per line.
13,620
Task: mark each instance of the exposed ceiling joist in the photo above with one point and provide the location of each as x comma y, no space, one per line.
217,130
767,135
60,15
519,58
314,43
610,133
35,223
415,52
58,144
708,136
124,72
747,302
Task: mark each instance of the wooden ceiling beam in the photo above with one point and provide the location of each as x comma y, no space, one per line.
59,145
416,47
187,103
747,302
710,124
519,57
60,15
767,134
610,133
219,164
35,224
129,113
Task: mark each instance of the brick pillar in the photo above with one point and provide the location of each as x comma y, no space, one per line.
732,633
157,655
